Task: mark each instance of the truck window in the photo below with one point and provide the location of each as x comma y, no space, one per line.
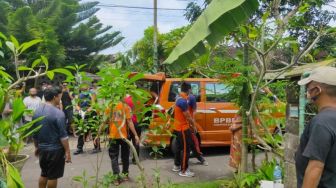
217,92
175,89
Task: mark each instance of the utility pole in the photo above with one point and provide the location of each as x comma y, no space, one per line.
155,52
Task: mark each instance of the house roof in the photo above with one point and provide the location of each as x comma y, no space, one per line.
298,71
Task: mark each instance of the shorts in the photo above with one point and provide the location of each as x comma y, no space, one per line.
52,163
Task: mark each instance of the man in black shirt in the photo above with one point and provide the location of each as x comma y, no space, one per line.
51,141
67,107
316,155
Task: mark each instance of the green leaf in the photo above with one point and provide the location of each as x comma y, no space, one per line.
81,66
3,36
18,109
212,25
36,62
136,77
2,54
5,75
29,44
10,45
15,42
70,67
265,16
63,71
24,68
26,130
13,177
45,61
50,75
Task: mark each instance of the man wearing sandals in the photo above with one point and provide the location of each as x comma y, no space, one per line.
120,121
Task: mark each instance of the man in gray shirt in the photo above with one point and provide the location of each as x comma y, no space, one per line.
51,141
315,157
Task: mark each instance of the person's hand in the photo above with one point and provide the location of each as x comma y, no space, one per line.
137,140
96,140
67,157
36,152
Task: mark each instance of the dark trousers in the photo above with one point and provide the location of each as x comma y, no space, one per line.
68,112
115,145
183,142
82,136
81,140
195,148
137,146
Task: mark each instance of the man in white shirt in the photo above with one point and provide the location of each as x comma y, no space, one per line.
32,102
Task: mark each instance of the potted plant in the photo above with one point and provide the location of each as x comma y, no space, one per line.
12,134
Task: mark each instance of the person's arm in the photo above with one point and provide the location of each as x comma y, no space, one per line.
65,143
313,174
132,128
190,119
235,127
36,148
317,150
63,136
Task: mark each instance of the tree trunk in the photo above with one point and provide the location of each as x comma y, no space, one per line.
245,101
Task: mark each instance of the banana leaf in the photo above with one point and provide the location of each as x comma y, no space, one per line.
217,20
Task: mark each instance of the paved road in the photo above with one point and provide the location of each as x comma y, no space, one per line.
217,157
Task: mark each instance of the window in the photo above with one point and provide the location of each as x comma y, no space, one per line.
175,89
217,92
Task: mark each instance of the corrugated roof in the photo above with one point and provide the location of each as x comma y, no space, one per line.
298,71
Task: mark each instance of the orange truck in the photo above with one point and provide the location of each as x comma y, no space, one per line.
215,112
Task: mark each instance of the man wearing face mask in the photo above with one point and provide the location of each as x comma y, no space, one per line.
315,157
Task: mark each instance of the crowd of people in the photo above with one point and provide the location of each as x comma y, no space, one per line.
62,110
314,159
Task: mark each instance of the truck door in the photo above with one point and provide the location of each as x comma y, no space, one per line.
220,112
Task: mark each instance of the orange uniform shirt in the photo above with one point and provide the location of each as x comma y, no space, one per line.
120,111
180,121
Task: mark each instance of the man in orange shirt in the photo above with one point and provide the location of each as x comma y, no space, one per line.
120,121
182,120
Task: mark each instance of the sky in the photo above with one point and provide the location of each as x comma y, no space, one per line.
133,22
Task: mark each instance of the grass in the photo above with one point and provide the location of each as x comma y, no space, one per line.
208,184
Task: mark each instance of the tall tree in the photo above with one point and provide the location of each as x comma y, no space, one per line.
69,30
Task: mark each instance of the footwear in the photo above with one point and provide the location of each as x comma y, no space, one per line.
95,151
125,178
176,168
205,163
116,182
187,173
79,151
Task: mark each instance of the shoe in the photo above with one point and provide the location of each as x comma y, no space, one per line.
116,182
187,173
205,163
176,168
95,151
79,151
125,178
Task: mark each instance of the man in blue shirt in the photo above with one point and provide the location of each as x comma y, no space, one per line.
195,145
84,108
51,140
